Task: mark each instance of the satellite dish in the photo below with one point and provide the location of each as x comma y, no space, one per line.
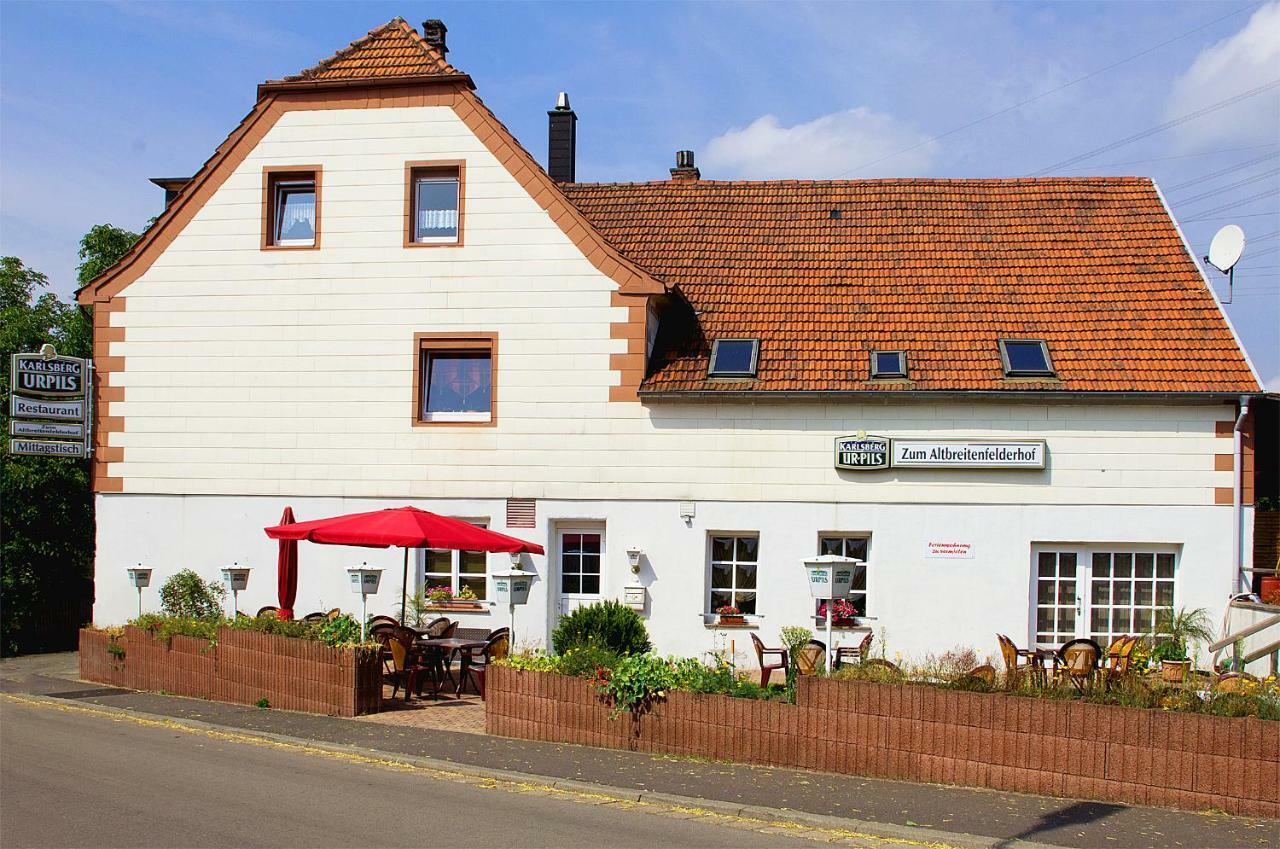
1226,247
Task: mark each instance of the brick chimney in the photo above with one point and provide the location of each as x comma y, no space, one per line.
562,141
433,33
685,171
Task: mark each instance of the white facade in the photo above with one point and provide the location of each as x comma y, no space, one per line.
257,379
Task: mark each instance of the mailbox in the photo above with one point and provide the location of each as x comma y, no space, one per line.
235,577
512,587
634,597
830,576
140,576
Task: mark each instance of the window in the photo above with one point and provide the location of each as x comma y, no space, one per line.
579,563
850,546
733,572
888,363
454,379
457,570
734,358
291,214
433,203
1025,358
1100,592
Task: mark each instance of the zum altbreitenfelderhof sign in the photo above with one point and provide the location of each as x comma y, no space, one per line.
50,405
864,452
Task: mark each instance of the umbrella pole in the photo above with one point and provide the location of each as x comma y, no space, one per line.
404,588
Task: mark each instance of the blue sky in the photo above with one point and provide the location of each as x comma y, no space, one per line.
97,97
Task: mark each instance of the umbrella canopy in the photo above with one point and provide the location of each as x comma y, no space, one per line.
402,527
287,569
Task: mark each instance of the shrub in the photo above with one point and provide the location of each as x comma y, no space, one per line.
341,630
167,627
586,661
606,624
187,595
637,681
271,625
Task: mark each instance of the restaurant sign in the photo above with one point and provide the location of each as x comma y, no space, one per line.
862,452
50,405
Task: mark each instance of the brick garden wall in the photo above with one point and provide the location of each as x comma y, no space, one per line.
921,733
243,667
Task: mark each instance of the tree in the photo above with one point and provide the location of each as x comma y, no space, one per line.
46,507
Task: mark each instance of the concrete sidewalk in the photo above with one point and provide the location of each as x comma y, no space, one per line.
998,817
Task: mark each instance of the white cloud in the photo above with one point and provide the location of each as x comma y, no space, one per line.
829,146
1236,64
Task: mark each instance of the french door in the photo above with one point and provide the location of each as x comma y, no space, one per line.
1100,591
579,554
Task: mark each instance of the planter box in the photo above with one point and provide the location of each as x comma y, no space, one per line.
919,733
242,666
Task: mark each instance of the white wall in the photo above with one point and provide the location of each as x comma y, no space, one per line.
923,605
290,372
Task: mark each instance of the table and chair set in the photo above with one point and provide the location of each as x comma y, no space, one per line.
1081,662
415,658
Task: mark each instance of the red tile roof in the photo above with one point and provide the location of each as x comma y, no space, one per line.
394,49
939,268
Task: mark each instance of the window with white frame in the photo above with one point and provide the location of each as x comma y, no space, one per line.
856,546
436,205
457,570
293,213
734,562
1101,591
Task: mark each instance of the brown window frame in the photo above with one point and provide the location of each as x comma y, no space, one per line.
273,175
444,166
425,344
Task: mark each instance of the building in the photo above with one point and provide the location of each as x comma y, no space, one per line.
372,295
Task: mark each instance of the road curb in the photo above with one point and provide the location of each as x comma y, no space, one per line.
912,835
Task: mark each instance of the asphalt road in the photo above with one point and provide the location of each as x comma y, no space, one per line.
76,779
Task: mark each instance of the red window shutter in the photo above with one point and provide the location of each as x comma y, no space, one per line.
520,513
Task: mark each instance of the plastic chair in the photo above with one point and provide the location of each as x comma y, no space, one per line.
766,669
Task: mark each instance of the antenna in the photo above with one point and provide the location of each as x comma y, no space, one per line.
1224,253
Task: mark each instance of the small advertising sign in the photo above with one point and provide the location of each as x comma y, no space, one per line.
830,576
862,452
969,453
948,550
54,375
24,428
32,408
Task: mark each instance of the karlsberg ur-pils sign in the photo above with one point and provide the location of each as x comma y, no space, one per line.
863,452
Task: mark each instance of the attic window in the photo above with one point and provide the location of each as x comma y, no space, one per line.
734,358
292,213
888,363
1025,358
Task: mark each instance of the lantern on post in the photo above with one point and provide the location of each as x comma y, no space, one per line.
139,576
512,588
830,577
364,581
236,577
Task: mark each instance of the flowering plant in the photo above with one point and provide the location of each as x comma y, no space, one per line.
467,594
841,609
728,610
439,594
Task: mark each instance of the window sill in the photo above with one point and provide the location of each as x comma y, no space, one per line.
310,247
482,608
744,626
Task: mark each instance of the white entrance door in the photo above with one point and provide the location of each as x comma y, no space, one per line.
579,553
1099,591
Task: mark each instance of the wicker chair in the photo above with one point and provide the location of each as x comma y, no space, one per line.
268,611
811,658
405,667
1014,669
315,618
495,648
1078,663
1234,682
853,654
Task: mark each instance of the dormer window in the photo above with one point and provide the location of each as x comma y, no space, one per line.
734,358
888,363
1025,358
292,216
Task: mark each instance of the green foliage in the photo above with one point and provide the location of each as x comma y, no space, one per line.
262,703
166,627
185,595
341,630
587,661
794,638
722,678
637,681
100,248
608,624
533,661
1175,629
295,628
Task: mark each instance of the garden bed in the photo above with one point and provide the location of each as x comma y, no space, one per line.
243,666
921,733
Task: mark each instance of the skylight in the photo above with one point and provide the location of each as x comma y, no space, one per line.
1025,358
734,358
888,363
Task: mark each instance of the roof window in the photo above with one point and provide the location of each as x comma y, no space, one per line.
888,363
1025,358
734,358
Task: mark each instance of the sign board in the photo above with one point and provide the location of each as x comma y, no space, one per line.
365,581
948,550
18,427
512,587
830,576
969,453
236,578
862,452
51,405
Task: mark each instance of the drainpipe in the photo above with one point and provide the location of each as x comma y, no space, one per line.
1240,583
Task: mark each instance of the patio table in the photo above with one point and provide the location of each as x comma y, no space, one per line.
444,649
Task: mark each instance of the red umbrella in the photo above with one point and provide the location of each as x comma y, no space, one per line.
402,527
287,569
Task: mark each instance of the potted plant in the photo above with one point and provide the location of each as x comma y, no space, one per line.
1174,630
439,595
843,613
466,598
730,615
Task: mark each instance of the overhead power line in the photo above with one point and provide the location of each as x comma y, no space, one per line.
1045,94
1211,213
1224,171
1236,185
1160,128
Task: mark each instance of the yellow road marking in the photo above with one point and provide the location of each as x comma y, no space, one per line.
802,830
